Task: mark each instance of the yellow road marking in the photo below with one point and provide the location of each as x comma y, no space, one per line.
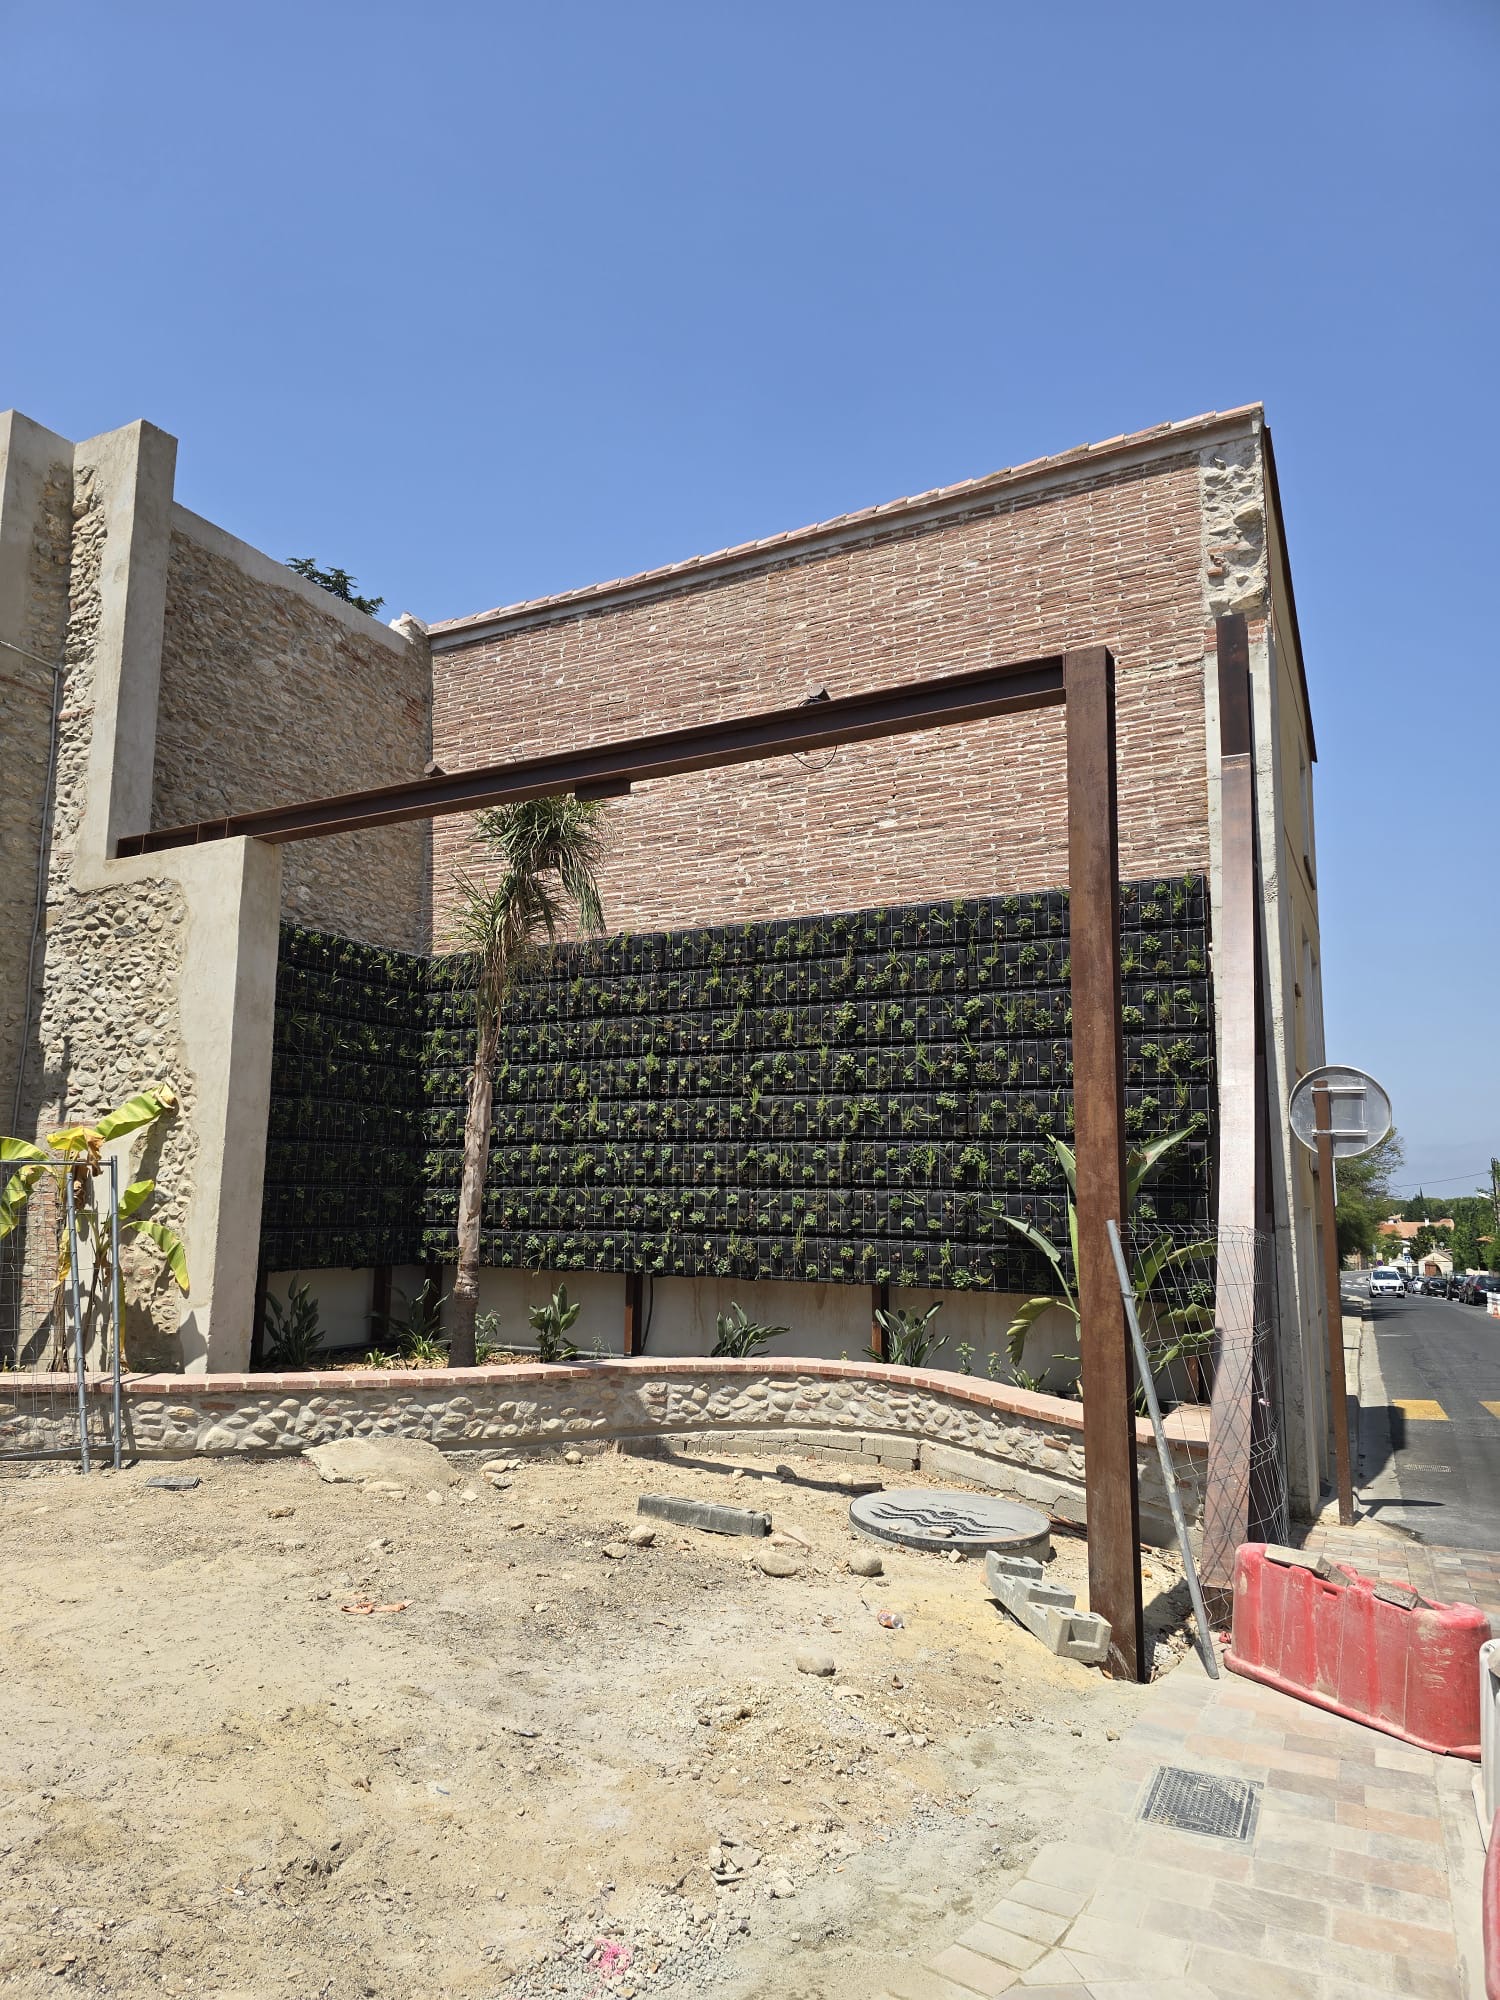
1421,1411
1493,1408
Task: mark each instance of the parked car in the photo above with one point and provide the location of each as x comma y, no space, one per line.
1476,1291
1387,1281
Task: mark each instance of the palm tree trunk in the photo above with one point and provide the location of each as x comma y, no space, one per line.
463,1308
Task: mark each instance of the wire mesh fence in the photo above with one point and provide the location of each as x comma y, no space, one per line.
1207,1307
53,1408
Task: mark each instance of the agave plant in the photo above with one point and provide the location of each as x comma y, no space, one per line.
1191,1324
552,1322
294,1331
739,1336
907,1337
76,1153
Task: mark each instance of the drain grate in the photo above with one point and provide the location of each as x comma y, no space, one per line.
1194,1802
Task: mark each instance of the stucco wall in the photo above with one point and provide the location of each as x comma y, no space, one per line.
273,691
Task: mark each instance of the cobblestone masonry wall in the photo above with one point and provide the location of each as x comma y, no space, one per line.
26,693
266,699
904,1420
1137,557
108,1022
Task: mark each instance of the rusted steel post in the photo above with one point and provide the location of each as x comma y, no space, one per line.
380,1304
634,1339
1338,1388
880,1301
1099,1116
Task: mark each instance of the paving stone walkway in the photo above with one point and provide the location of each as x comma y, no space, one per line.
1361,1876
1447,1576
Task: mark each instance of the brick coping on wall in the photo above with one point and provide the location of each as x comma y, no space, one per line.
1186,1427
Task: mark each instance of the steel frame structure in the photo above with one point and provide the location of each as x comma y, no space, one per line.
1082,683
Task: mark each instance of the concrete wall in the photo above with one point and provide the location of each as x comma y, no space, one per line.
273,690
825,1322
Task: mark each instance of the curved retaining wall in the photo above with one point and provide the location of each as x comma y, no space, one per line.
900,1420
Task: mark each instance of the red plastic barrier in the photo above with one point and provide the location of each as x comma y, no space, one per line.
1491,1915
1413,1673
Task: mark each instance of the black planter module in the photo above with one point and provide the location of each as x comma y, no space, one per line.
841,1098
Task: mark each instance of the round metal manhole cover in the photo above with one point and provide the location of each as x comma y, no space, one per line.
970,1522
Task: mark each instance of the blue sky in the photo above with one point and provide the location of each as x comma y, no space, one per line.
484,301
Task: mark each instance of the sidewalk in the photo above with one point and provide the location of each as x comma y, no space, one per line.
1360,1875
1448,1576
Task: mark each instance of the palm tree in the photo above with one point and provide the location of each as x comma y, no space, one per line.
552,849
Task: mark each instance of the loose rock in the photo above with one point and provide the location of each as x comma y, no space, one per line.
866,1563
770,1562
640,1536
815,1663
572,1458
616,1551
410,1461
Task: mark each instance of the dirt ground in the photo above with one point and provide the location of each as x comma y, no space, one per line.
555,1772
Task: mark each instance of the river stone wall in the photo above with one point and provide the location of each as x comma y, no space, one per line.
906,1421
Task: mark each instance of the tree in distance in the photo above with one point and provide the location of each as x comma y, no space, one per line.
337,582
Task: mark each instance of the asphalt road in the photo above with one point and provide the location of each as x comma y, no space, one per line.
1430,1421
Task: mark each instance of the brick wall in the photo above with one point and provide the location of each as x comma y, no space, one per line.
1114,555
268,696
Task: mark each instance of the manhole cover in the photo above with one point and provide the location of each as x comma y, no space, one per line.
1194,1802
971,1522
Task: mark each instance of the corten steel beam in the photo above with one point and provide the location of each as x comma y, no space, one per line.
781,732
1099,1150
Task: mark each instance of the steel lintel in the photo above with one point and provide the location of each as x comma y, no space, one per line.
601,771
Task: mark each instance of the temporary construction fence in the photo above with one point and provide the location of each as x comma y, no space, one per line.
1207,1308
49,1405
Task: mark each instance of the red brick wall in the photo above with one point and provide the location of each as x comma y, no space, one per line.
976,809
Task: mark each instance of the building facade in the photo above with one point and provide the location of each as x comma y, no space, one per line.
191,677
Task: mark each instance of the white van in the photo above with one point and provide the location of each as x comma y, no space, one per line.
1385,1278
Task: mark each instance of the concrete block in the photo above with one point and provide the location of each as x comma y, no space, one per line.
1046,1610
704,1515
906,1454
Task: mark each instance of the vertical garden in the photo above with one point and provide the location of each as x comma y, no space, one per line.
842,1097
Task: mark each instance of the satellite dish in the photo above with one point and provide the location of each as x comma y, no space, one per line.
1359,1111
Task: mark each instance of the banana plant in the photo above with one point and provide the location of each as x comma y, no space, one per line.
1192,1323
76,1153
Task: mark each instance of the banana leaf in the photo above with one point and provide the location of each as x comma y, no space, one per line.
142,1109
